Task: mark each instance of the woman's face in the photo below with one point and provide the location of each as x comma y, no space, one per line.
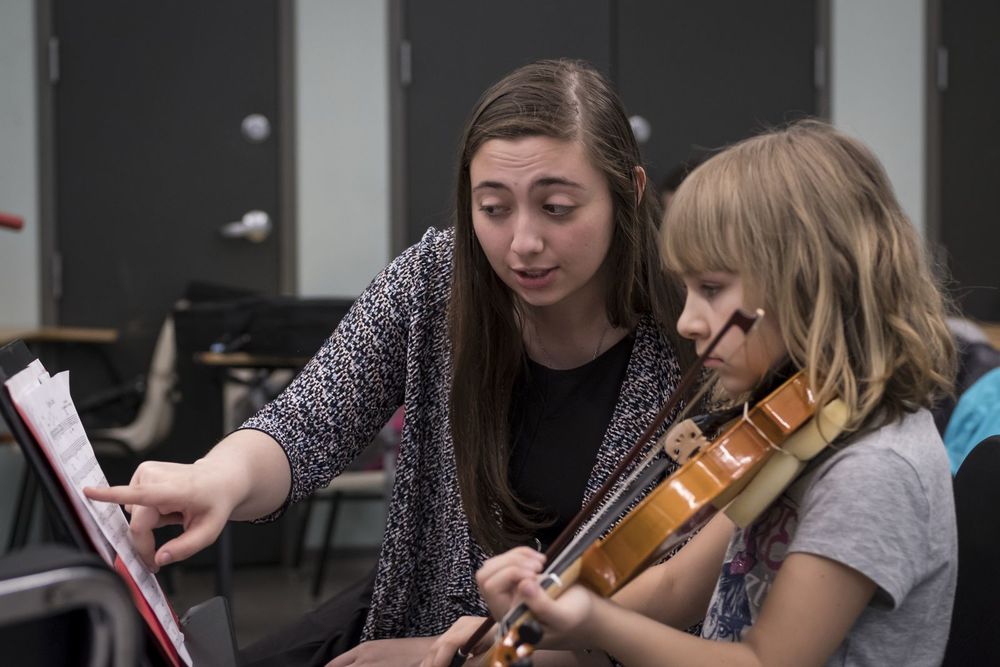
741,361
544,218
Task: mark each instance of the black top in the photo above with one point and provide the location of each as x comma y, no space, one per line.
558,421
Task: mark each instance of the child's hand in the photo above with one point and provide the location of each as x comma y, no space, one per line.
499,577
512,577
566,619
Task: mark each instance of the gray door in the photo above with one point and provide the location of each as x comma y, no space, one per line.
704,74
970,154
151,158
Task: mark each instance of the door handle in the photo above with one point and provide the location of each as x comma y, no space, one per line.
641,128
255,226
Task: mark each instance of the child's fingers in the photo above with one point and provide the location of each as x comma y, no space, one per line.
520,556
545,609
506,580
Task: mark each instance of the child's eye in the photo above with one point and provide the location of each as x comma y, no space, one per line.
709,289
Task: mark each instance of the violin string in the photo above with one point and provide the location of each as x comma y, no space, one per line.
770,443
585,532
628,482
646,476
737,319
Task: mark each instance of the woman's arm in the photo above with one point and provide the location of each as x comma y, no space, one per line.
259,476
325,418
245,476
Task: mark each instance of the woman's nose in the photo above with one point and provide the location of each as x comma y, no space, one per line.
527,239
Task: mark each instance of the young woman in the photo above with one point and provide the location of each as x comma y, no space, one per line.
855,563
529,345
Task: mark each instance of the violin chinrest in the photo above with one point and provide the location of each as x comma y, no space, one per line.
780,471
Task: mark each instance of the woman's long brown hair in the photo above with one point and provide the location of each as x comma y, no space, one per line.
570,101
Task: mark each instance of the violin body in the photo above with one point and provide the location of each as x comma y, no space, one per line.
689,498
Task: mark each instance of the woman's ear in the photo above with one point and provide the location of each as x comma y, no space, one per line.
640,184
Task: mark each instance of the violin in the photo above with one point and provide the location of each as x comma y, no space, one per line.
715,475
736,470
738,320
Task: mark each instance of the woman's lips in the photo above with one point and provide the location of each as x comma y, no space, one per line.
534,278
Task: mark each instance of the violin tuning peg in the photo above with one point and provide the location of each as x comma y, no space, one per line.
530,632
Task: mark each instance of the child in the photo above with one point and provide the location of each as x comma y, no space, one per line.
855,563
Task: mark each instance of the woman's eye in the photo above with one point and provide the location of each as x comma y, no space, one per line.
491,210
558,209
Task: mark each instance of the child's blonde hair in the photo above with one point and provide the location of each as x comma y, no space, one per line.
807,217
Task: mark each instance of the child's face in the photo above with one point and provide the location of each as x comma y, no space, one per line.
741,361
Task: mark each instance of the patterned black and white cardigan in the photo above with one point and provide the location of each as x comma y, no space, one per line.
392,349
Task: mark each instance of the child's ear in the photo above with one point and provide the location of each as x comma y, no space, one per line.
640,184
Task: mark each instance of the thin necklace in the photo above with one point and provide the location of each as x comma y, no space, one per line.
548,357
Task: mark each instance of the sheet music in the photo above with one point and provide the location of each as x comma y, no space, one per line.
47,407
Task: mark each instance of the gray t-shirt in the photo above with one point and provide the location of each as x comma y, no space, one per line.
883,506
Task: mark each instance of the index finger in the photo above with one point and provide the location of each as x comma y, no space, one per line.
126,495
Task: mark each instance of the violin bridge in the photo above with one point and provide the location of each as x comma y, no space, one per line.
683,441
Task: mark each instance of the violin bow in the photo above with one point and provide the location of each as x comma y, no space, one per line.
738,319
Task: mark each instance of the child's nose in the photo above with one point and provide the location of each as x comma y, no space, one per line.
691,324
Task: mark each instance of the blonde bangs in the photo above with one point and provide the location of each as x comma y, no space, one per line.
699,232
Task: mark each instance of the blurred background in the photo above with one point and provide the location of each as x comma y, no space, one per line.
206,160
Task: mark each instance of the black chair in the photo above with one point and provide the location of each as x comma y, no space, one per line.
974,639
61,606
154,418
354,484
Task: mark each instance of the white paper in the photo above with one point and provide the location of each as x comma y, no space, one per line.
45,403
